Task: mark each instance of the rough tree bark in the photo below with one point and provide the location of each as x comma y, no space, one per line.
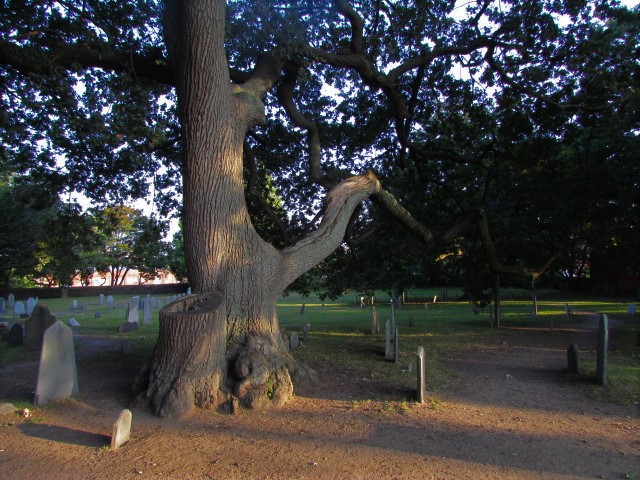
223,251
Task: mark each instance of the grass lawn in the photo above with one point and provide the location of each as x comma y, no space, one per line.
341,333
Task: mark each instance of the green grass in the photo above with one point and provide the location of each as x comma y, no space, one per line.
341,335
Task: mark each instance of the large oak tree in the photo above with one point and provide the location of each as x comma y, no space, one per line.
94,82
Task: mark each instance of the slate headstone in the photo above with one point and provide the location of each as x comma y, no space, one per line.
128,327
146,311
573,358
294,343
74,305
73,323
97,315
11,301
305,328
121,432
101,299
421,361
133,310
375,327
57,375
110,302
31,304
387,340
603,346
396,346
36,325
18,309
16,335
189,291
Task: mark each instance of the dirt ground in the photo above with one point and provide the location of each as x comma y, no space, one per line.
510,412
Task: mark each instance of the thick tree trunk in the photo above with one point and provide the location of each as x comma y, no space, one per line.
233,346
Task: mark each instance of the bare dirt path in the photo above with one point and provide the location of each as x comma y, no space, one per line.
510,412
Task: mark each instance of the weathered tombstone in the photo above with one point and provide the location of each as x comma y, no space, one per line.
573,358
16,335
293,341
435,298
101,299
74,305
375,327
121,432
421,363
146,311
34,328
73,323
57,375
11,301
18,309
97,315
302,309
361,302
128,327
3,308
110,302
396,346
133,310
305,328
631,309
603,345
387,340
31,304
189,291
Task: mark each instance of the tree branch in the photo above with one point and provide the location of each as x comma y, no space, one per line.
339,205
29,60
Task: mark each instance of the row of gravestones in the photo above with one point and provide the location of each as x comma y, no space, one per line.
19,308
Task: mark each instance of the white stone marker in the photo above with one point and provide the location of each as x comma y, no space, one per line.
121,432
57,375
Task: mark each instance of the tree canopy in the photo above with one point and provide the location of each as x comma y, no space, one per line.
455,106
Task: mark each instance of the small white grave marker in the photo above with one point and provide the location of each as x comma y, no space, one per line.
121,432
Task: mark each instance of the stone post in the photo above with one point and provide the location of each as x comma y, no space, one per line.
603,345
420,360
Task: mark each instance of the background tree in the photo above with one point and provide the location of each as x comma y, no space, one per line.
320,92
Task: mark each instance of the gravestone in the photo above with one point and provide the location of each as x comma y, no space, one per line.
294,343
189,291
3,307
603,345
375,327
421,364
567,311
302,309
631,309
573,358
396,346
435,298
387,340
121,431
31,304
11,301
133,310
128,327
97,315
57,376
16,335
73,323
34,328
305,328
110,302
74,305
101,299
18,309
146,311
